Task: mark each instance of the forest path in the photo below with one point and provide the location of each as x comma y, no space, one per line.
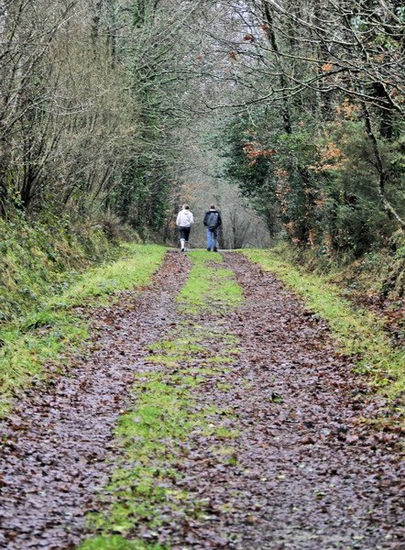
263,447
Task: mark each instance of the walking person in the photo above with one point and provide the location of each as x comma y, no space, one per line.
185,220
212,220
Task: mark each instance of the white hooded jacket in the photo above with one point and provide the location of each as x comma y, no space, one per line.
185,218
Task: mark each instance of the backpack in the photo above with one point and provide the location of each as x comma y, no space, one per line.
212,220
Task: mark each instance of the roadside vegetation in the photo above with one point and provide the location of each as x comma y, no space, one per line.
154,434
38,340
154,103
39,259
358,332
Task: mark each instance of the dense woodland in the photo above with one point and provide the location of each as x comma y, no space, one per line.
299,104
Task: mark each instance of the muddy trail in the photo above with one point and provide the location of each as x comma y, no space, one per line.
58,447
293,466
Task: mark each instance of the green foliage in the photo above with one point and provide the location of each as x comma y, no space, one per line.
358,331
252,174
320,182
105,148
38,260
351,219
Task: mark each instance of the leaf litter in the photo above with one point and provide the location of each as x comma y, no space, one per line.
293,466
57,445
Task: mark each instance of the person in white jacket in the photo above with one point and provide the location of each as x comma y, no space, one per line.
185,220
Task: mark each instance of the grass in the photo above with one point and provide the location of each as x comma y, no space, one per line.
117,542
133,270
39,259
209,285
358,332
45,335
154,434
150,435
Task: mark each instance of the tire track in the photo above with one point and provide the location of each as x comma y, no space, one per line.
57,448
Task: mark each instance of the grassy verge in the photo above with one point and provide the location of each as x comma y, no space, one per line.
44,335
358,332
118,543
157,433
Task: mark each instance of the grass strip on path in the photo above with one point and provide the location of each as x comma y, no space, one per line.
209,285
358,331
156,433
45,335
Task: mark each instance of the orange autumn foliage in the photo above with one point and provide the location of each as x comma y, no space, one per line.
253,152
331,158
348,110
327,67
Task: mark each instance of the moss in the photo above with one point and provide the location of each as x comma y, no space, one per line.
37,260
209,285
117,542
133,269
168,412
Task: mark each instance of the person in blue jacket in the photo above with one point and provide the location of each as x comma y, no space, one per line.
212,220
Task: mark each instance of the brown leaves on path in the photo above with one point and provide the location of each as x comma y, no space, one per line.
57,446
322,478
304,471
293,465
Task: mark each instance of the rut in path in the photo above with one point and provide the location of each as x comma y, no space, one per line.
58,446
318,478
306,474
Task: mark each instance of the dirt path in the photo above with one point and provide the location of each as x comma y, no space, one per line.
300,471
58,447
318,478
304,473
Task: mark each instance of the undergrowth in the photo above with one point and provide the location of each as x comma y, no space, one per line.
43,335
154,433
358,331
40,259
378,272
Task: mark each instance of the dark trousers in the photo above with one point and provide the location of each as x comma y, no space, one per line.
184,233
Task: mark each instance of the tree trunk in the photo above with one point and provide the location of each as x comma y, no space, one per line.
382,174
